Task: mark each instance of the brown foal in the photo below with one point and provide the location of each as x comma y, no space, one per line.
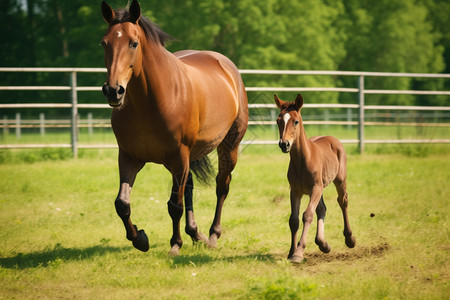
315,163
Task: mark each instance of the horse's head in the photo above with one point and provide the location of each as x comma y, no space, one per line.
123,54
288,121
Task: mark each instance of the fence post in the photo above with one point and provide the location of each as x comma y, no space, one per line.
74,98
18,129
361,114
42,123
6,125
90,124
349,117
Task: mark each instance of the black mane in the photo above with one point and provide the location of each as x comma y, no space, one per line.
152,31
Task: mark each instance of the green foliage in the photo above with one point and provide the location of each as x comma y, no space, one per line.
32,156
282,288
393,36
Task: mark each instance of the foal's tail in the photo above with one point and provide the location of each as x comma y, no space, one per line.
203,170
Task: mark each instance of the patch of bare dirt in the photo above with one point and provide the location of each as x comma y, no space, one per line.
358,252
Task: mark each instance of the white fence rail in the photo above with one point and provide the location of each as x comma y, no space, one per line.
73,88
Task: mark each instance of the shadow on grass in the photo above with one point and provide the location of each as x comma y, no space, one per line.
201,259
48,257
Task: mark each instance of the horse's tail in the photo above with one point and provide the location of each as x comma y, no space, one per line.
203,170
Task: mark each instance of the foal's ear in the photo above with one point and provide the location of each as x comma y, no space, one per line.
108,12
135,11
278,101
299,102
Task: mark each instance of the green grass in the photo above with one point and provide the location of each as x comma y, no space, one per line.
254,133
61,238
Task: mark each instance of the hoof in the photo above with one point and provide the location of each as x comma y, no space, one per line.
350,241
175,251
295,259
212,242
325,248
141,243
202,238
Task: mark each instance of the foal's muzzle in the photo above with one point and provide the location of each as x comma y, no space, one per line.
114,95
284,146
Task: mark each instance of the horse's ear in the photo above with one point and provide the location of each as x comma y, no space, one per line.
108,12
299,102
135,11
278,101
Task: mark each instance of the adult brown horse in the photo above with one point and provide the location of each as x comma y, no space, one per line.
315,163
171,109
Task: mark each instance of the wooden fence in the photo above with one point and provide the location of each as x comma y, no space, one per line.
74,122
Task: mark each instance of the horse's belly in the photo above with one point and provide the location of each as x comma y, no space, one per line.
206,143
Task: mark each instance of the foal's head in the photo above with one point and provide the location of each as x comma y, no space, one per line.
288,121
123,42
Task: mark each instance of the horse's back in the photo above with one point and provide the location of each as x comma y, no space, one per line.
214,73
219,91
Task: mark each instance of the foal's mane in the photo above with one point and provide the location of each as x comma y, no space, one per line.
152,31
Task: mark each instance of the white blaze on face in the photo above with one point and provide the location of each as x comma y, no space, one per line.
119,34
286,118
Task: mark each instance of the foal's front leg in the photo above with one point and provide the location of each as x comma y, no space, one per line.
294,224
128,169
308,217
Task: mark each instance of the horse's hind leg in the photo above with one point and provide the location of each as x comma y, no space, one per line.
227,153
128,169
191,226
179,167
321,211
342,199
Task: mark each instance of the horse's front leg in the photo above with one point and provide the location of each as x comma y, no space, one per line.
128,169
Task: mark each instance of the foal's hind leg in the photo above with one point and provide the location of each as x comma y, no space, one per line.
227,153
342,199
321,211
128,169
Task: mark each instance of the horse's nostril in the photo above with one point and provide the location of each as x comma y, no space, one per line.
105,90
121,90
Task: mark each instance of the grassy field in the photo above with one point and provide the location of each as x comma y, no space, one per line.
254,133
60,237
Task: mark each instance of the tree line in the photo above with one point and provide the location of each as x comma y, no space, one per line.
348,35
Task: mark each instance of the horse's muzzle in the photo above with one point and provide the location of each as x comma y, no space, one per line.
114,95
284,146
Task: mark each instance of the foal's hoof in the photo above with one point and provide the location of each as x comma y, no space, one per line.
350,241
295,259
141,242
325,248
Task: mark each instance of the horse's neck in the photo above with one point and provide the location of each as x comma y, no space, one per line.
301,149
157,78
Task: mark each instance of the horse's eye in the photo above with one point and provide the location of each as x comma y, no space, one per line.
296,122
134,45
103,43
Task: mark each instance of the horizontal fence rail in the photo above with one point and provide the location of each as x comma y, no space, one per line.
360,120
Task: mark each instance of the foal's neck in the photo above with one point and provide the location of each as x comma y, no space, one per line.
301,148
